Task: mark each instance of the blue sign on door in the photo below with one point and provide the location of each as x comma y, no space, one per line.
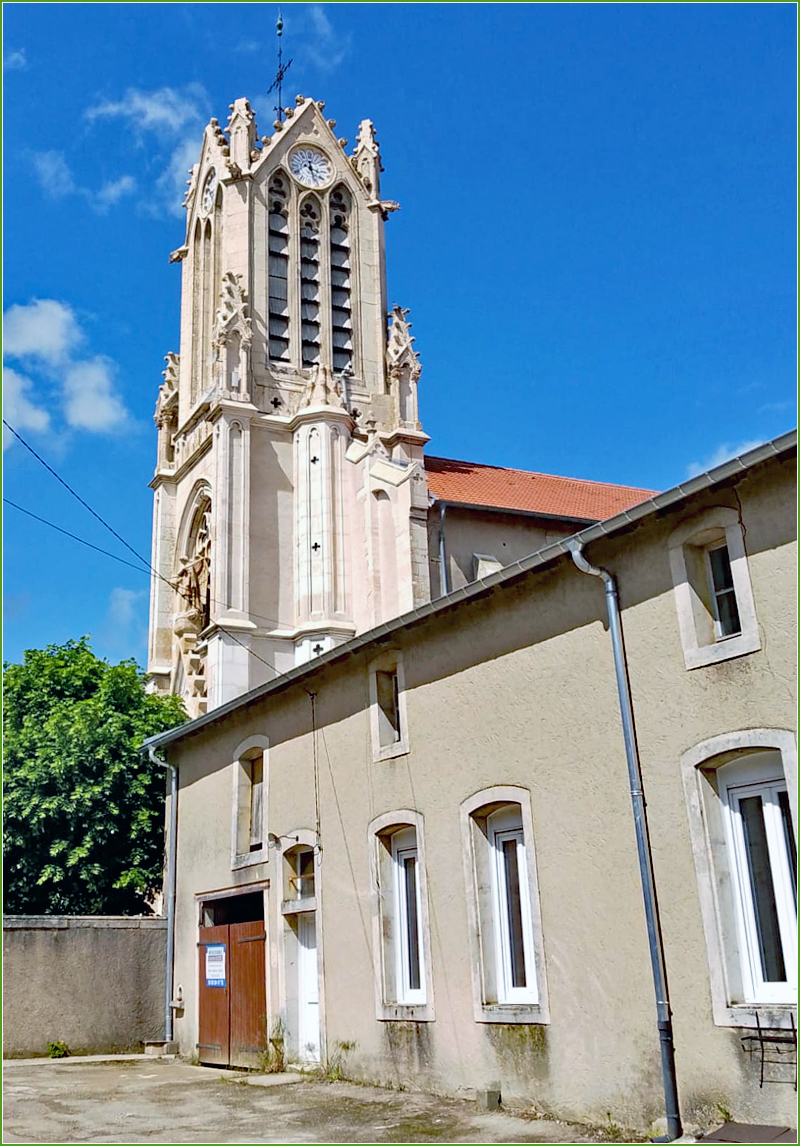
215,965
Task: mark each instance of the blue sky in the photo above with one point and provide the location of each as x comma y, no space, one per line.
596,242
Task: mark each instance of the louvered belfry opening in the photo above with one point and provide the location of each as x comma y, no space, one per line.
278,269
309,281
341,307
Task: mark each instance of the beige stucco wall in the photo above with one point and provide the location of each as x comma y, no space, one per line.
95,983
506,536
517,687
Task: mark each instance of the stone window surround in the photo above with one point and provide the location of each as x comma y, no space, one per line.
249,859
698,650
481,944
381,868
696,764
389,661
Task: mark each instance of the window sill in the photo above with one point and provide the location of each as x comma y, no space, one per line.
511,1013
399,1012
298,906
771,1016
723,650
249,859
390,751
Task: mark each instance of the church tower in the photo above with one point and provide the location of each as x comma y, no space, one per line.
290,497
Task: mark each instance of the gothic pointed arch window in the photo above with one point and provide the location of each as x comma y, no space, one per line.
206,260
194,573
310,219
341,285
278,239
197,310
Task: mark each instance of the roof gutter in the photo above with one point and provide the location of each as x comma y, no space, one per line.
541,557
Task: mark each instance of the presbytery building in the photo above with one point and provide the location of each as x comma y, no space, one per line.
401,836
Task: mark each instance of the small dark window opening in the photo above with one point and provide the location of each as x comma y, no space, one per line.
388,696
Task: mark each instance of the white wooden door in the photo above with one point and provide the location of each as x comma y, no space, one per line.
308,984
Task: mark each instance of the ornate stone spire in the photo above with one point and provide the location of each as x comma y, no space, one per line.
403,367
243,133
367,158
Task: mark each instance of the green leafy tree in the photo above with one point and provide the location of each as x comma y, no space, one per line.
83,810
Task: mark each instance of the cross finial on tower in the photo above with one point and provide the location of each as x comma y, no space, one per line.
277,85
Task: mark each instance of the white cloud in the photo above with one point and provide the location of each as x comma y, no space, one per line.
177,117
723,453
53,173
22,413
124,606
163,109
248,46
111,193
125,622
172,181
90,398
44,329
14,60
327,49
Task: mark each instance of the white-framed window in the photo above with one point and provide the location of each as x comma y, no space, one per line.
401,926
713,593
740,794
503,911
763,865
409,961
249,803
388,722
511,908
725,611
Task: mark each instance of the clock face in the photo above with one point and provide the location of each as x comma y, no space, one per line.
209,191
310,167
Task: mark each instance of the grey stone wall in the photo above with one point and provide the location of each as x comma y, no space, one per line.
95,982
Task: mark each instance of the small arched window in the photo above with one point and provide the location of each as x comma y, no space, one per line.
278,268
310,216
341,286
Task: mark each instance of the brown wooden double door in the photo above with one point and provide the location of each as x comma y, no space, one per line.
232,978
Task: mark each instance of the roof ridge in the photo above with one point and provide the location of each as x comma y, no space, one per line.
540,473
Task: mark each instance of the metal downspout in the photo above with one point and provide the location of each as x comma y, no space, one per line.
655,939
172,857
444,580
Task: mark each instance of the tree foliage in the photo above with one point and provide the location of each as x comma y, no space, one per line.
83,809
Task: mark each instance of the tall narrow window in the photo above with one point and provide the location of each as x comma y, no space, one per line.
309,282
278,270
516,978
723,594
257,802
388,693
249,806
764,864
341,306
409,968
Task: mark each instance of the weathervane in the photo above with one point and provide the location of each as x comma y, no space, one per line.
282,70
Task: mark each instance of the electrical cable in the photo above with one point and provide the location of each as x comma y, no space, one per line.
75,537
148,567
138,556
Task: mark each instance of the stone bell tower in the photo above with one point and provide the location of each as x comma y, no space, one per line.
290,495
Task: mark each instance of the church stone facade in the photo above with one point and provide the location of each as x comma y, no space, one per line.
290,497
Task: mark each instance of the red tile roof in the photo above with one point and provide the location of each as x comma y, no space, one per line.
472,484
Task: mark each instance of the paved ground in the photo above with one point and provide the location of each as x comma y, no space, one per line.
160,1100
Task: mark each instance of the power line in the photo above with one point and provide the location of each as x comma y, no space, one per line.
148,567
75,537
67,486
138,556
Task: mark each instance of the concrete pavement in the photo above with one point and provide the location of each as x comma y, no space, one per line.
145,1099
